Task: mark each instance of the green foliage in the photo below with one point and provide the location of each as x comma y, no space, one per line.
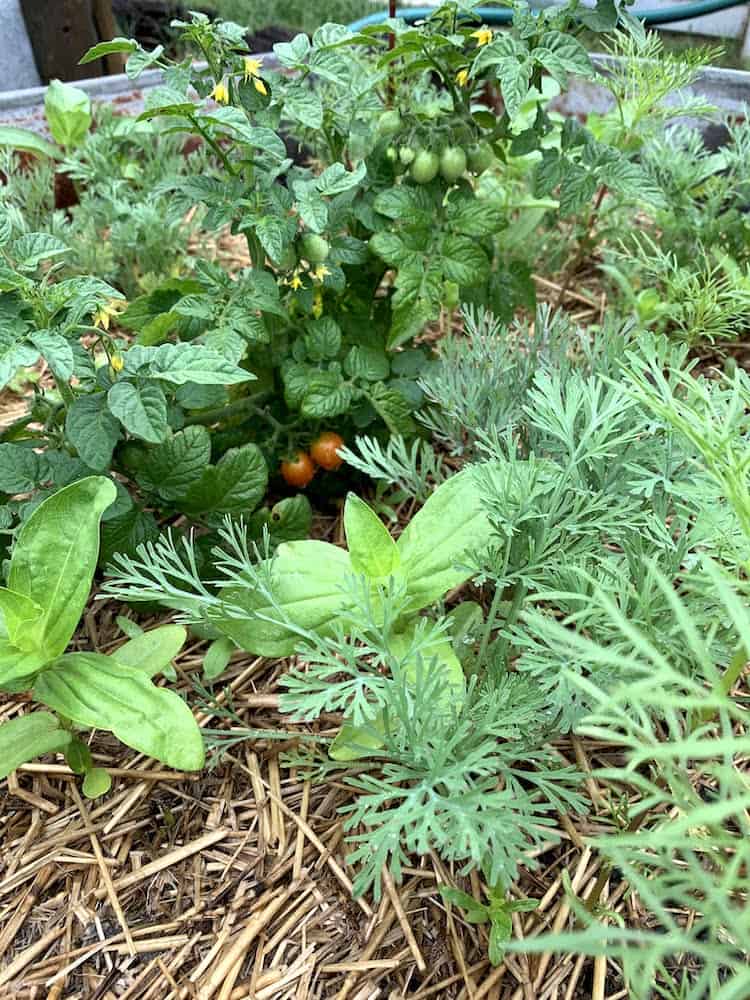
294,14
49,580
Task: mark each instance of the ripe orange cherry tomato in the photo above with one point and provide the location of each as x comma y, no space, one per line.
325,450
299,470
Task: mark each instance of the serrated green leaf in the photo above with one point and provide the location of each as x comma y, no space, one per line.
303,105
181,363
31,249
20,469
92,430
126,532
392,408
326,395
235,485
56,351
323,339
173,467
141,408
369,363
464,261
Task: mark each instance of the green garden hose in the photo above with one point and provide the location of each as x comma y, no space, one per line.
491,15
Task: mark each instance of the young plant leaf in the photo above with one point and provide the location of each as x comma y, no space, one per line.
27,142
68,111
440,535
371,549
217,658
55,557
307,580
30,736
15,665
94,690
96,782
152,652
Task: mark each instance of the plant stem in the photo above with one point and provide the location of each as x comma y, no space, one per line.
213,144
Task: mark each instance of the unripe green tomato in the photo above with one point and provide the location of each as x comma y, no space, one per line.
406,154
315,248
391,154
452,163
287,261
389,123
425,167
481,158
450,294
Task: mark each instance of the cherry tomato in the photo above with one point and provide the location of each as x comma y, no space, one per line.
389,123
481,158
325,450
315,248
299,470
391,154
452,163
425,167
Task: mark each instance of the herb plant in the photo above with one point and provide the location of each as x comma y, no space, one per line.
49,580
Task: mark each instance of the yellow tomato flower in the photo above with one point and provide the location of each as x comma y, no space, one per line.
462,77
117,363
103,315
252,72
220,93
320,272
252,67
483,36
295,281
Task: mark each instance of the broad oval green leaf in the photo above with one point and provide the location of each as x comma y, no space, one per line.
18,668
152,652
27,142
96,782
307,579
68,111
30,736
18,615
55,557
439,536
371,549
95,690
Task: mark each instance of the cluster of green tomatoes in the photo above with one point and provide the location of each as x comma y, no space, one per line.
424,165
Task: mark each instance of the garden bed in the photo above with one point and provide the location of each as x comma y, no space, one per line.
375,524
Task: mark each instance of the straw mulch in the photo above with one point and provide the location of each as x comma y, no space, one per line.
233,883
